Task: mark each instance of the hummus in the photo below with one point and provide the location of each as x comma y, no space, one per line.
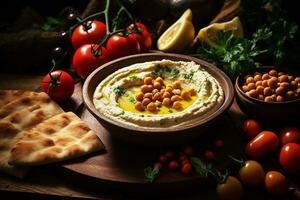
123,95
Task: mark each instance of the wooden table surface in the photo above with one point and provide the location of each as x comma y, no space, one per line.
43,182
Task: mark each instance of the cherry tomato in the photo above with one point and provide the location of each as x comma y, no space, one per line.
140,32
169,154
209,155
92,32
173,165
231,189
289,158
84,60
183,157
186,168
264,143
163,158
188,150
59,85
219,143
157,165
290,135
252,174
119,46
276,183
251,127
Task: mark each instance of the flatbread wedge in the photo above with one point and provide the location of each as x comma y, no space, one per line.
20,115
58,138
7,96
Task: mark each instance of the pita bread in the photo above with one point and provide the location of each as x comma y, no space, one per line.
17,116
6,96
58,138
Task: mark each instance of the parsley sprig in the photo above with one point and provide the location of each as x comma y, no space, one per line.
151,173
119,90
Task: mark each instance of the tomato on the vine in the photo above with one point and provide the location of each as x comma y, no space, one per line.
276,183
264,143
139,32
289,158
290,135
231,189
91,32
86,59
252,173
59,85
119,45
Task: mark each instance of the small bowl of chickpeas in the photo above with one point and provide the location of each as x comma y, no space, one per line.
269,93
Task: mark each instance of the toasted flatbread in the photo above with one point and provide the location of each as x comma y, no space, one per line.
7,96
20,115
58,138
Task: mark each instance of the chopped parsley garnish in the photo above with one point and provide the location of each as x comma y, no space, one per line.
132,100
151,173
119,90
170,111
121,113
174,72
159,69
189,75
133,77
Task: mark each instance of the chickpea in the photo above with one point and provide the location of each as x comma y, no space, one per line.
169,89
252,93
157,97
267,91
268,99
151,107
257,73
166,95
280,98
265,77
272,82
294,84
251,86
258,83
285,85
298,91
158,103
150,88
148,95
257,77
160,80
297,79
177,105
177,85
146,101
273,72
280,90
283,78
186,95
155,91
139,106
148,80
175,98
298,85
280,73
273,97
157,85
176,91
166,102
139,96
144,88
192,91
250,79
260,90
290,95
291,78
265,83
261,97
162,91
245,88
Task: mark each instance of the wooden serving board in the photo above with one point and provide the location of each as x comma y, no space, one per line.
122,165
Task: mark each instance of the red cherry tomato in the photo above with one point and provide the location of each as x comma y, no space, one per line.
209,155
290,135
119,46
276,183
264,143
173,165
188,150
186,168
59,85
84,60
251,127
219,143
163,158
289,158
92,32
169,154
157,165
140,32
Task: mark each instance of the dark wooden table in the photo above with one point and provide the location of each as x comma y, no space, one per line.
45,183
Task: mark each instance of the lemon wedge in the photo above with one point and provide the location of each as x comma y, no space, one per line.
208,34
179,35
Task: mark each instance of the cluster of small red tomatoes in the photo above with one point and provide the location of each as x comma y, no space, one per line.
88,56
85,40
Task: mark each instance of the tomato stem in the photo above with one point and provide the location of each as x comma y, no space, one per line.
241,162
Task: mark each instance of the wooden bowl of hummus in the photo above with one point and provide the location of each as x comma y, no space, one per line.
157,98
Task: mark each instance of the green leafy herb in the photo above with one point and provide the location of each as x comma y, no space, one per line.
174,72
151,173
51,24
203,169
160,69
133,77
121,113
170,111
119,91
132,100
189,75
